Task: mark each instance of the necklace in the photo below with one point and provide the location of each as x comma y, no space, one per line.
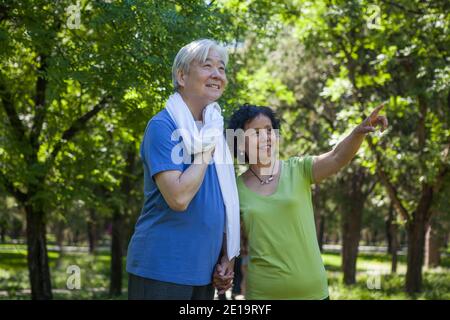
266,181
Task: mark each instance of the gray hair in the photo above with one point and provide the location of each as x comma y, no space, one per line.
196,50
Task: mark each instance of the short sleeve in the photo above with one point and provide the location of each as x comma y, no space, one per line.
157,147
304,166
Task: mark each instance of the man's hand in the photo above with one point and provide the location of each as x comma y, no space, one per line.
179,188
223,275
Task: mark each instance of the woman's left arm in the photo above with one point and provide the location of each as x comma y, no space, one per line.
331,162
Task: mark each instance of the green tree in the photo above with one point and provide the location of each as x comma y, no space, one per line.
343,58
395,59
57,75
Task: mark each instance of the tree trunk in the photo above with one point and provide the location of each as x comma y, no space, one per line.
351,233
392,238
60,242
374,237
445,240
3,234
38,266
76,236
60,235
433,241
118,225
416,244
394,247
17,231
92,231
388,228
416,241
352,212
116,255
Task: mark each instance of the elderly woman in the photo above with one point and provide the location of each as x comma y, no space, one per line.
189,224
276,208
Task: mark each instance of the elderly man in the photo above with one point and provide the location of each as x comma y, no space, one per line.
188,229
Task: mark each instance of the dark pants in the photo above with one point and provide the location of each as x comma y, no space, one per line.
237,276
148,289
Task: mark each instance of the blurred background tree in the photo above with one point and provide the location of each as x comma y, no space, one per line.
79,81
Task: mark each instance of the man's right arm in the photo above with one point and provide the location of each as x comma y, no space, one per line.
178,188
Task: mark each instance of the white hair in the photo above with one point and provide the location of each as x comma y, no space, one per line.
196,50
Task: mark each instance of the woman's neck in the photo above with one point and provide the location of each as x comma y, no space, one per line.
266,169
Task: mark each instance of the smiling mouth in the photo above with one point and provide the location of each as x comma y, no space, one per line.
215,86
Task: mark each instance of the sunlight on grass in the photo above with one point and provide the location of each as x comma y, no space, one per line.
374,280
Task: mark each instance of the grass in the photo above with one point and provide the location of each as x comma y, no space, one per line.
374,280
94,271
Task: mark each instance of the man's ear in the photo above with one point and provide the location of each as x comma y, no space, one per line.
181,78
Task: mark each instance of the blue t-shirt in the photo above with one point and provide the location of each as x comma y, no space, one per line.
178,247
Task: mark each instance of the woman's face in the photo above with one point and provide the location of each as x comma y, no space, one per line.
261,140
206,81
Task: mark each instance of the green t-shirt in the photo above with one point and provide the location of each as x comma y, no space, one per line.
284,255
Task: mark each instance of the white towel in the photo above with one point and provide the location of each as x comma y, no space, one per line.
197,141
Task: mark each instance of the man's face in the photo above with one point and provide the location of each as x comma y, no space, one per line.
205,81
